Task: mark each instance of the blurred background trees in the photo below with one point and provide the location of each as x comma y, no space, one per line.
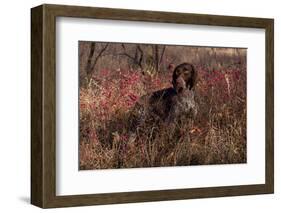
150,59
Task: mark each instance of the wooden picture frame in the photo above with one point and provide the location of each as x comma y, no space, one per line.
43,105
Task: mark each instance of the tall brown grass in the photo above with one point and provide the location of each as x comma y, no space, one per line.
216,136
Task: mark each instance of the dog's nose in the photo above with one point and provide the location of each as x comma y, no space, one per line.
180,85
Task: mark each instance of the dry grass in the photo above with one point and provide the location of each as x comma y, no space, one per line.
216,136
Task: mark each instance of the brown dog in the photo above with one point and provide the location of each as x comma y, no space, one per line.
171,105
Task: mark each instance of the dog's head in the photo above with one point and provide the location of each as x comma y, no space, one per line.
184,77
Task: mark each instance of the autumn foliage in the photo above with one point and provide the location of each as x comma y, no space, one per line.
216,136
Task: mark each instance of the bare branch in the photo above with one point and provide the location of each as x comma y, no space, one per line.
126,54
89,61
99,55
156,56
138,55
162,54
141,56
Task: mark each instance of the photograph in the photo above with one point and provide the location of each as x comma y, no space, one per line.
143,105
157,105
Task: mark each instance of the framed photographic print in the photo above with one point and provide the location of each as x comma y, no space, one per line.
135,106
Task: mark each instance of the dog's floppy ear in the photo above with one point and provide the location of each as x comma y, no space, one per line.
192,81
176,74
